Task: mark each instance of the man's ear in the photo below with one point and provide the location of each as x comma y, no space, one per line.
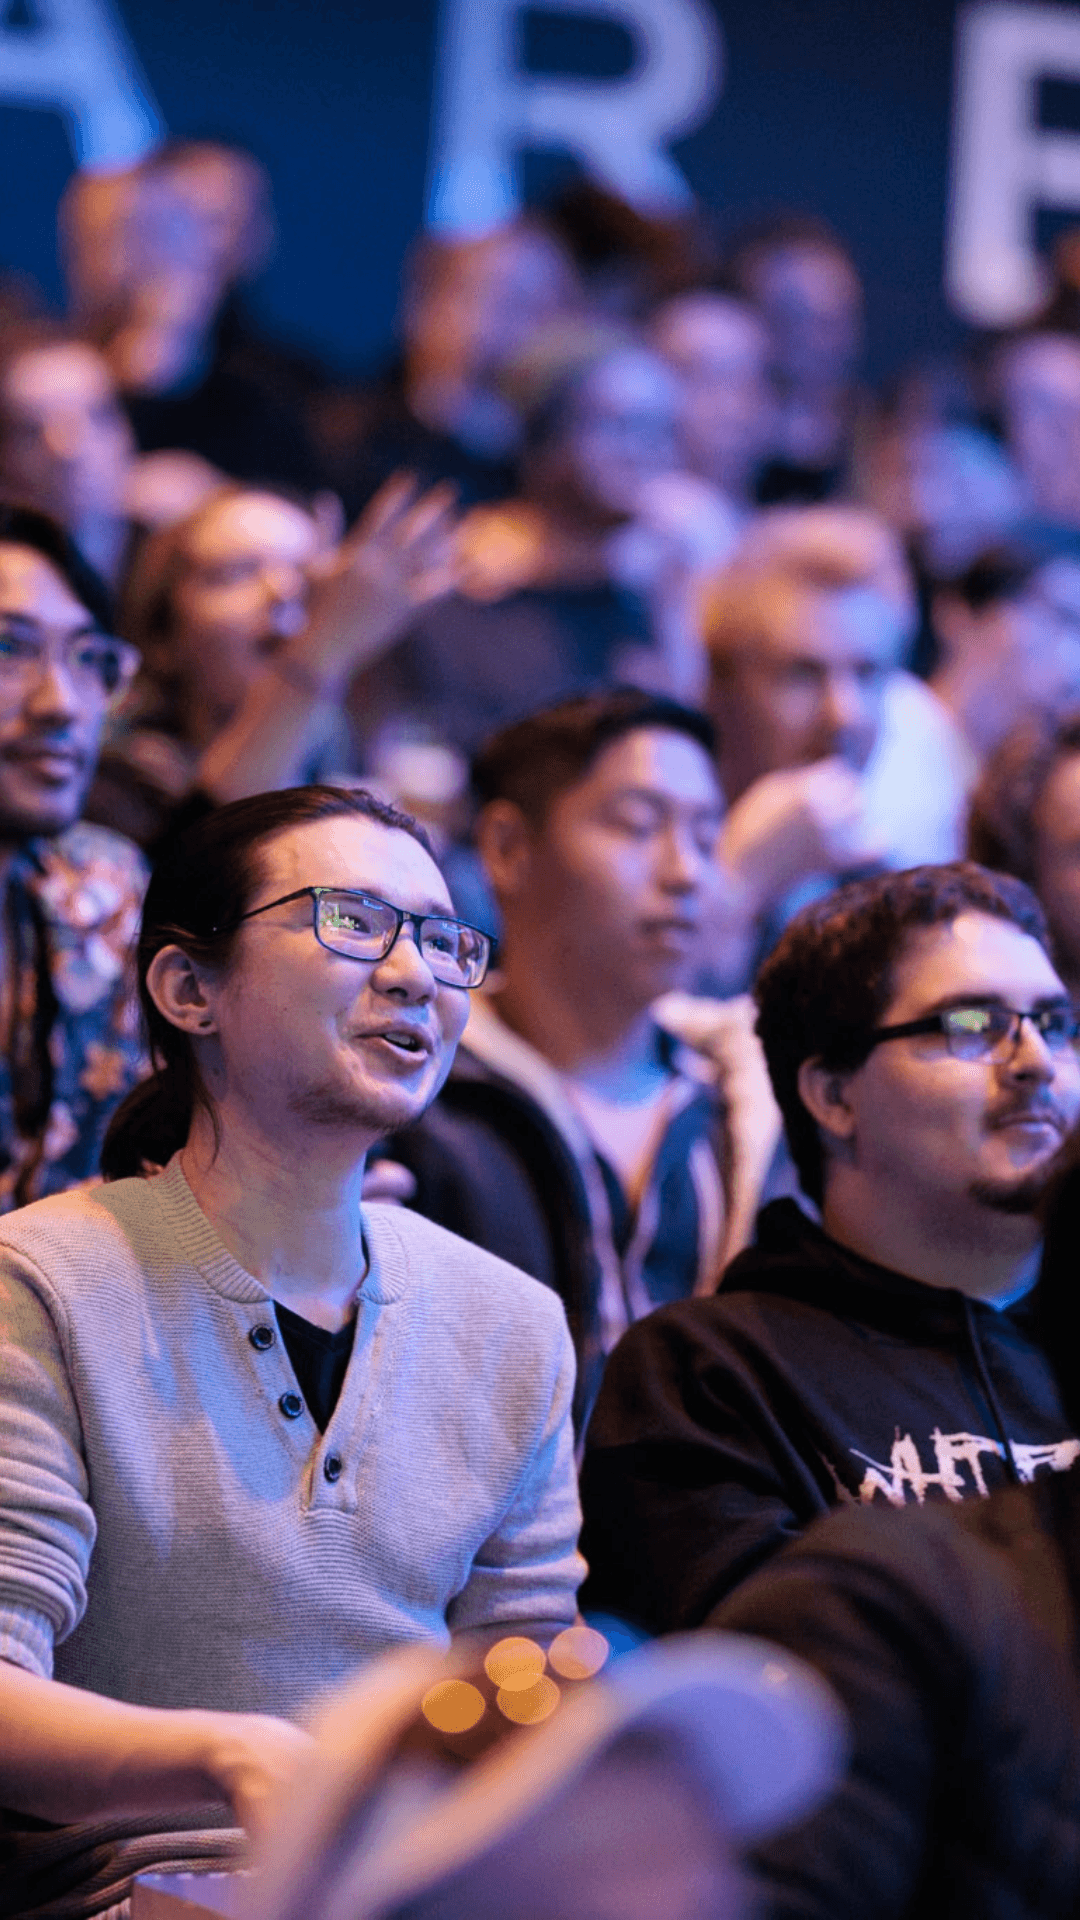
178,991
504,841
824,1093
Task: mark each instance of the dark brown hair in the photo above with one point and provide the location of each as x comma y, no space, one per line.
825,986
532,762
203,882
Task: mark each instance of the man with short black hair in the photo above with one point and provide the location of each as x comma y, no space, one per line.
575,1137
69,892
922,1050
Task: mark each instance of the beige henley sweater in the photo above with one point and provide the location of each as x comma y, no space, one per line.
174,1536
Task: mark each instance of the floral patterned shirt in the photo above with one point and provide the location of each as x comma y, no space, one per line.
71,918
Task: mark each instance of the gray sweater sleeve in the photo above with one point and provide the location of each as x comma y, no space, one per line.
47,1526
529,1569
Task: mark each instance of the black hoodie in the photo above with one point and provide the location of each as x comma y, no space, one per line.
813,1378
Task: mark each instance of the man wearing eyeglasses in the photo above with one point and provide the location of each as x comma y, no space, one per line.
70,891
923,1052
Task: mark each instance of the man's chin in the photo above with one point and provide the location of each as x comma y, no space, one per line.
30,812
1023,1194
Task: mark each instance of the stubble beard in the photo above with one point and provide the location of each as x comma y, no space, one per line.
1021,1196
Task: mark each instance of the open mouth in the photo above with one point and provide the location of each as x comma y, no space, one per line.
408,1044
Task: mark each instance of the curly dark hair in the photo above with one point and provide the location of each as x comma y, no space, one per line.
825,986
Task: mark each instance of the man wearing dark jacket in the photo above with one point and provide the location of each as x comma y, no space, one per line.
922,1049
951,1636
576,1138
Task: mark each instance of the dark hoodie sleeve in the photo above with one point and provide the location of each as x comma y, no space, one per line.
691,1478
960,1792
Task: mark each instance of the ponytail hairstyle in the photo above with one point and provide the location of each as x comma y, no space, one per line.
205,879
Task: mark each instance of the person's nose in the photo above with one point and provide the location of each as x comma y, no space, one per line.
63,436
285,590
52,695
403,974
843,710
1030,1057
682,861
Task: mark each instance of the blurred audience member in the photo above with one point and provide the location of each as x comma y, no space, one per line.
153,256
922,1050
540,617
946,487
832,759
251,624
434,1793
1025,820
1008,632
469,310
627,259
66,447
802,279
1035,386
575,1137
70,892
951,1639
718,346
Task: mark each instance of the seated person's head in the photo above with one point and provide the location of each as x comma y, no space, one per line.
600,412
718,346
1025,820
1009,633
967,1115
803,280
60,671
597,828
803,630
212,598
437,1794
945,485
151,252
66,447
470,308
1035,383
269,917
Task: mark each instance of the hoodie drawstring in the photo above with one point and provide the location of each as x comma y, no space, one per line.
988,1389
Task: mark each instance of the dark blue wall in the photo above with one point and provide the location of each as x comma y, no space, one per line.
835,106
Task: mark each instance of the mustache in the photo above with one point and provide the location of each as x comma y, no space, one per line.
1030,1107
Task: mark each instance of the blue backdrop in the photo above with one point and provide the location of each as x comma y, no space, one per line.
832,106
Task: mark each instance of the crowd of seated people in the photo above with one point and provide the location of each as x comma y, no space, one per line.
539,1084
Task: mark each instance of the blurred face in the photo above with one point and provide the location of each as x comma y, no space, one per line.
620,435
1028,646
1057,860
626,1843
622,871
359,1047
955,1131
54,697
66,445
487,300
810,686
719,351
812,301
1040,392
241,590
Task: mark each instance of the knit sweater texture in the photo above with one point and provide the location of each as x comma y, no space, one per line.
170,1535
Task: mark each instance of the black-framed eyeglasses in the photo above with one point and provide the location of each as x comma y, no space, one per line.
361,927
986,1032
